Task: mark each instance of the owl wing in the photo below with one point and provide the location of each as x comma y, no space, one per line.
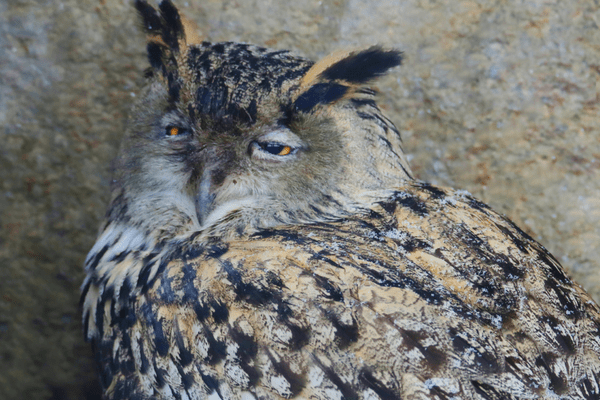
429,295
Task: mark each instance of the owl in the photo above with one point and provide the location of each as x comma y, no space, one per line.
265,239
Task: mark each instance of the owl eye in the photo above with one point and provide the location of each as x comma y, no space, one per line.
174,131
276,149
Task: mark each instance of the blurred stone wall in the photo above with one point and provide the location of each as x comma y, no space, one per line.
497,97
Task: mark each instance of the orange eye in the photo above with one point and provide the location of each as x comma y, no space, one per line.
175,130
285,151
276,148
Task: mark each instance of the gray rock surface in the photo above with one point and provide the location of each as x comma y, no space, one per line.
497,97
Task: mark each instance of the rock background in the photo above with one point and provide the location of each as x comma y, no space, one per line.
497,97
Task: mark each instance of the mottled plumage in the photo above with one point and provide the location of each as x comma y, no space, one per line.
266,240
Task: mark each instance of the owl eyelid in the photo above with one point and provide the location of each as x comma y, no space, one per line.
281,136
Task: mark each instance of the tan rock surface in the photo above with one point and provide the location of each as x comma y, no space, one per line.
497,97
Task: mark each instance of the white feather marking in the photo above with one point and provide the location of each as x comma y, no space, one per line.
315,376
119,239
237,374
448,384
333,394
281,385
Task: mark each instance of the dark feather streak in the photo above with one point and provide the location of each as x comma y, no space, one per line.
173,29
320,93
363,66
367,379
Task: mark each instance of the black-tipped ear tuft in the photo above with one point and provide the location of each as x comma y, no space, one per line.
152,23
173,31
165,25
166,34
362,66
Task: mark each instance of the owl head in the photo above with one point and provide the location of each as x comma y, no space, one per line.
228,138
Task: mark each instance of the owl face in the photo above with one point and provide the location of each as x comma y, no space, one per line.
228,137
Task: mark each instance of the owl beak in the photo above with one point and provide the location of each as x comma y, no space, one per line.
215,160
204,197
215,163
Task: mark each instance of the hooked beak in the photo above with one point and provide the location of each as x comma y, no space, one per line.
216,163
204,197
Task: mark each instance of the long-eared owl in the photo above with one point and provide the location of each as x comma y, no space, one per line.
265,239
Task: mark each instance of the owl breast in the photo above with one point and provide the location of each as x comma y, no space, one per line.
428,295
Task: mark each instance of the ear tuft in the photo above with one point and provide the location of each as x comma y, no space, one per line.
362,66
151,18
341,74
165,27
167,41
173,30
